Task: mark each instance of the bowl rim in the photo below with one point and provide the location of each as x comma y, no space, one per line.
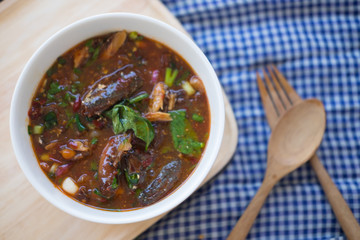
162,206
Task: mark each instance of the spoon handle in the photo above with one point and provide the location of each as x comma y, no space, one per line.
342,211
244,224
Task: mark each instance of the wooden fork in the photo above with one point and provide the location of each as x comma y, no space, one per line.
277,97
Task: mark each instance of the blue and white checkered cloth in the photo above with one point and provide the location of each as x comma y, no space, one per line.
316,45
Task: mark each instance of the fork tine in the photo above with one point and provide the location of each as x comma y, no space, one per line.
285,100
291,94
273,92
276,93
271,111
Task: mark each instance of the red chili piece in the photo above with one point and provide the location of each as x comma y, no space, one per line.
77,103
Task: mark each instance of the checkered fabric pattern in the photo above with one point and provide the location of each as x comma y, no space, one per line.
316,45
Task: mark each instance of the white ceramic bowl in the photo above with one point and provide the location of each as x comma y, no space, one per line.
66,39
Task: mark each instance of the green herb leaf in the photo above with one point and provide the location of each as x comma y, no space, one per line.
183,77
53,89
138,191
96,54
94,141
63,104
138,98
132,179
89,43
125,118
197,118
61,61
30,130
117,125
51,71
70,121
190,146
50,120
183,135
93,166
93,57
114,184
78,123
177,125
97,192
75,87
77,71
68,97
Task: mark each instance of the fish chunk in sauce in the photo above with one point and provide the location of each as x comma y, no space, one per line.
119,121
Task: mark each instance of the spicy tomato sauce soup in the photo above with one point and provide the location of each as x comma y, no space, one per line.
119,121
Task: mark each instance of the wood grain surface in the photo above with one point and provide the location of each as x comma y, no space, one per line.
24,26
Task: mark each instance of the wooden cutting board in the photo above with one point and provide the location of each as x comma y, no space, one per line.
24,26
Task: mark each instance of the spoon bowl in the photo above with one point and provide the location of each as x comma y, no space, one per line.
293,141
296,136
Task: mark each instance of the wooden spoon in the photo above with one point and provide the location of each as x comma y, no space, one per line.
294,140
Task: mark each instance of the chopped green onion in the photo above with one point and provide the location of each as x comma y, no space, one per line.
133,35
78,123
188,88
170,76
38,129
94,141
197,117
139,98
